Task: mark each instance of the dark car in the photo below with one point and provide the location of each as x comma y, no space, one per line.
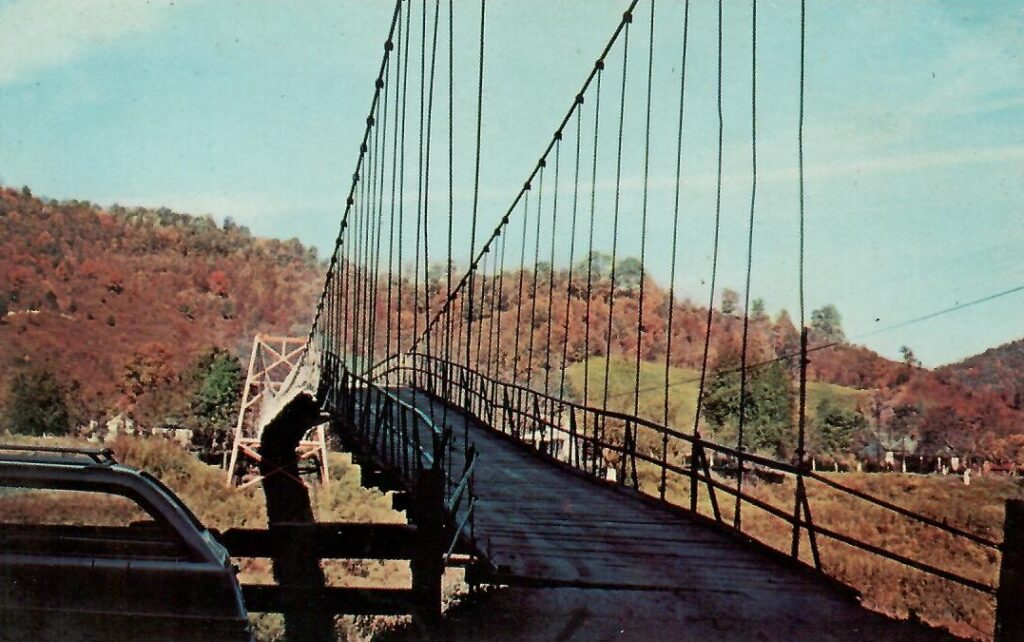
94,550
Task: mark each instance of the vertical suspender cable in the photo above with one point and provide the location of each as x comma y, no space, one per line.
627,18
519,296
800,153
533,287
391,320
496,369
370,190
447,350
572,249
802,410
483,285
476,188
675,238
379,216
714,274
745,343
401,179
590,254
426,185
357,257
643,220
551,267
419,179
346,299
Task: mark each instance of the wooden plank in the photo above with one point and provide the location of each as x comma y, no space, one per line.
330,540
270,598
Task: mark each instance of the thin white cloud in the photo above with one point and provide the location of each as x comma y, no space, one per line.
266,214
40,34
840,168
912,162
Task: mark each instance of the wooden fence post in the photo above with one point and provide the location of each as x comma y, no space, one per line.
1010,594
427,563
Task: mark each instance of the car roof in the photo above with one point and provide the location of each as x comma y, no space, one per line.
56,455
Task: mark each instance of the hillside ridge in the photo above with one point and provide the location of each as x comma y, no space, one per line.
88,293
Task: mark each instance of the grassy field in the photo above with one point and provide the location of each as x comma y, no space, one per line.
682,399
683,388
884,585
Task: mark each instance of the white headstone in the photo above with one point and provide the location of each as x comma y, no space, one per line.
113,428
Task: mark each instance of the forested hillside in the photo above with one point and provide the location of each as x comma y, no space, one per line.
119,306
999,370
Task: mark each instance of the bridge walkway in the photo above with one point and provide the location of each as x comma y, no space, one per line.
604,562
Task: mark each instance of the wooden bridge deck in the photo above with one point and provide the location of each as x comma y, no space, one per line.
606,563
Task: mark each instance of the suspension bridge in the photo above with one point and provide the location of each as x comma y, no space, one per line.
504,390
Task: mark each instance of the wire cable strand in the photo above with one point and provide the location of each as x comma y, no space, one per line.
675,252
745,341
627,19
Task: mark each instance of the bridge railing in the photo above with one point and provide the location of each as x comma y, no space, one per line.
671,465
407,444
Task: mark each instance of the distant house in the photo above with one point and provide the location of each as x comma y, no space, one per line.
906,453
888,449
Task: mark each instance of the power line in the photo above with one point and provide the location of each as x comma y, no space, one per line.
832,344
932,315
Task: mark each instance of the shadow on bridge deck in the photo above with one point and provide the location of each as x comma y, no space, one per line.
590,561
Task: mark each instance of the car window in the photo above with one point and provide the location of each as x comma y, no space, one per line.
82,523
69,507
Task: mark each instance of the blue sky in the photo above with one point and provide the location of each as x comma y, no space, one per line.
914,134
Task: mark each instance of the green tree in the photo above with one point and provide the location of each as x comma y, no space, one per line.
730,301
217,380
835,426
628,272
37,405
909,357
600,266
757,309
828,323
768,409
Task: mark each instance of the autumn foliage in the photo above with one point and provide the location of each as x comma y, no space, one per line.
534,325
118,303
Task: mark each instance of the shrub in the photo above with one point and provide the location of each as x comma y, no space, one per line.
37,405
